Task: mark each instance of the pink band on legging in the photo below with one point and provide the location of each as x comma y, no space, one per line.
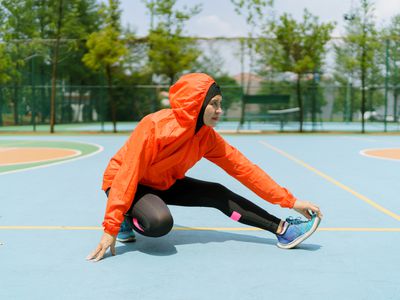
236,216
136,223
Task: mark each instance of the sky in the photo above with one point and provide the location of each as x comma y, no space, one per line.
218,17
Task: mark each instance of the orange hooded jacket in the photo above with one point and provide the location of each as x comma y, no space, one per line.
164,146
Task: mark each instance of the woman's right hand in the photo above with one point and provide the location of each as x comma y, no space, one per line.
304,208
107,241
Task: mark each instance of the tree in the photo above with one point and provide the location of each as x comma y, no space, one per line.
359,56
107,50
297,47
81,19
5,66
17,27
55,57
253,11
170,53
393,34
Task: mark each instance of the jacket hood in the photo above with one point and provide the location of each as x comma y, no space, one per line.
187,95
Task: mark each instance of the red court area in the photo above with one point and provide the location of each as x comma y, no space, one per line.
384,153
12,156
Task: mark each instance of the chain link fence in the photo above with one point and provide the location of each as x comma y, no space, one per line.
328,104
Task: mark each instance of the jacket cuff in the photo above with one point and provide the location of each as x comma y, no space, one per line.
288,202
110,229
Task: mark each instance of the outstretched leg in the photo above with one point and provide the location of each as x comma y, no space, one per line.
194,192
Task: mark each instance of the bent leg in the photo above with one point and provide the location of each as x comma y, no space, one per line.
150,216
194,192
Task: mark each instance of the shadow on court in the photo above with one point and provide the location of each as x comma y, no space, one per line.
166,246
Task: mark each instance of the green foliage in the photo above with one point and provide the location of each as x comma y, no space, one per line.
5,59
361,43
107,50
253,10
359,60
231,91
5,65
105,47
81,20
298,47
393,34
170,54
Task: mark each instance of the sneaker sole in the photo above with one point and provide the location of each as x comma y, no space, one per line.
301,238
128,240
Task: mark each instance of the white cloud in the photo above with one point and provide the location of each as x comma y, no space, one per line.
386,9
214,26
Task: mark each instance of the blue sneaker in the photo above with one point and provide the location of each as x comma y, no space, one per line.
297,232
126,234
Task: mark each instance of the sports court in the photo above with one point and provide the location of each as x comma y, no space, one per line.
51,210
310,93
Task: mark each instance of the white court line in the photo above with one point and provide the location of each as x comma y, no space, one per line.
362,152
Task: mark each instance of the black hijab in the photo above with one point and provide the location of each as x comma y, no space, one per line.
213,91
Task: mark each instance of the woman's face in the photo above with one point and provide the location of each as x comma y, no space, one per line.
213,111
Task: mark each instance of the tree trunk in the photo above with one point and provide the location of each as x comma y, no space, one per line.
54,69
110,98
299,101
43,96
395,105
351,102
1,106
15,105
363,96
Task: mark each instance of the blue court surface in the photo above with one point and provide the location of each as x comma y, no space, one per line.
50,218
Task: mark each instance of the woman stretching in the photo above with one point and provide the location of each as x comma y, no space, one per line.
148,173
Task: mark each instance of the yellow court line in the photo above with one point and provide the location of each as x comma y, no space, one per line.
356,229
25,227
334,181
350,229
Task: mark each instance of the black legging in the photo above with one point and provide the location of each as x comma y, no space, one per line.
150,216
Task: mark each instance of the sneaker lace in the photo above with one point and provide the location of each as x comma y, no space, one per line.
295,221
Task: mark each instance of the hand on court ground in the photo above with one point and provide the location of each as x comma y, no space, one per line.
303,207
107,241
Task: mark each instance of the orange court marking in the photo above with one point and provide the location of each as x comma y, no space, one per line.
390,153
17,156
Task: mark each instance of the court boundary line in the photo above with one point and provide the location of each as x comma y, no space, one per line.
62,161
98,228
334,181
363,153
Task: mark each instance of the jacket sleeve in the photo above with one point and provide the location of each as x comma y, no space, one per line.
249,174
137,156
